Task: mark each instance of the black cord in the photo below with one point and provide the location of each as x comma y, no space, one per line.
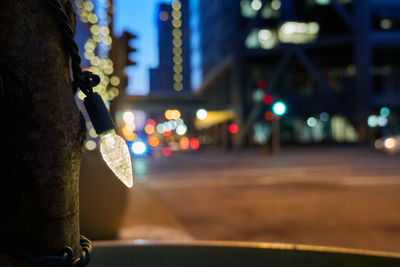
85,80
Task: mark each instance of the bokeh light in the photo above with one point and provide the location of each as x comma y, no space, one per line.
201,114
279,108
385,112
312,122
149,129
138,148
166,151
181,129
194,143
268,99
184,143
128,117
233,128
153,141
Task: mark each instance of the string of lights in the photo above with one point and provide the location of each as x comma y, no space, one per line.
177,45
98,45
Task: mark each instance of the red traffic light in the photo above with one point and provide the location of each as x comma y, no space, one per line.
233,128
268,99
262,84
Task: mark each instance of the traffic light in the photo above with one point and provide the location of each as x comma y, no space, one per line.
268,99
127,37
279,108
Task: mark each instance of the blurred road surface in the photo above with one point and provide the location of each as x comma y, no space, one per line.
347,197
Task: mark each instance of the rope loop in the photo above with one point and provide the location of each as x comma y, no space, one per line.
85,80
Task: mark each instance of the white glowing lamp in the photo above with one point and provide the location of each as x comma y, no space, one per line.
113,148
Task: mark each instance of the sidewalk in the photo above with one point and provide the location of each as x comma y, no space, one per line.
147,217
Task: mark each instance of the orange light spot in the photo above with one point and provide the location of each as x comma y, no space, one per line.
184,143
149,129
153,141
269,116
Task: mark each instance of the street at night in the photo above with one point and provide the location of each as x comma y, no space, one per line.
346,197
200,133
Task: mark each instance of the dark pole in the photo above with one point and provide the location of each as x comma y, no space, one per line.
42,134
363,65
276,136
237,91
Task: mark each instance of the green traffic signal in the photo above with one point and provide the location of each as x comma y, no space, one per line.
279,108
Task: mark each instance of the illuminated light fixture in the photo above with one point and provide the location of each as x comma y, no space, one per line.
153,141
201,114
166,151
166,126
268,99
178,86
233,128
160,128
256,5
386,24
269,116
151,122
276,4
267,39
172,114
149,129
114,81
298,32
324,116
176,114
176,5
163,16
184,143
382,121
264,35
372,121
167,133
390,143
129,128
385,112
168,115
322,2
138,148
379,144
92,133
128,117
90,145
312,122
262,84
113,148
181,129
279,108
258,95
173,124
194,143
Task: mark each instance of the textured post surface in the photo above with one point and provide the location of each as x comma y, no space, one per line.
42,133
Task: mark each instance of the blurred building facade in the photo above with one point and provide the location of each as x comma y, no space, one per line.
173,72
333,62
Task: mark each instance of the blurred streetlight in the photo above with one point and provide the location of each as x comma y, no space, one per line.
201,114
